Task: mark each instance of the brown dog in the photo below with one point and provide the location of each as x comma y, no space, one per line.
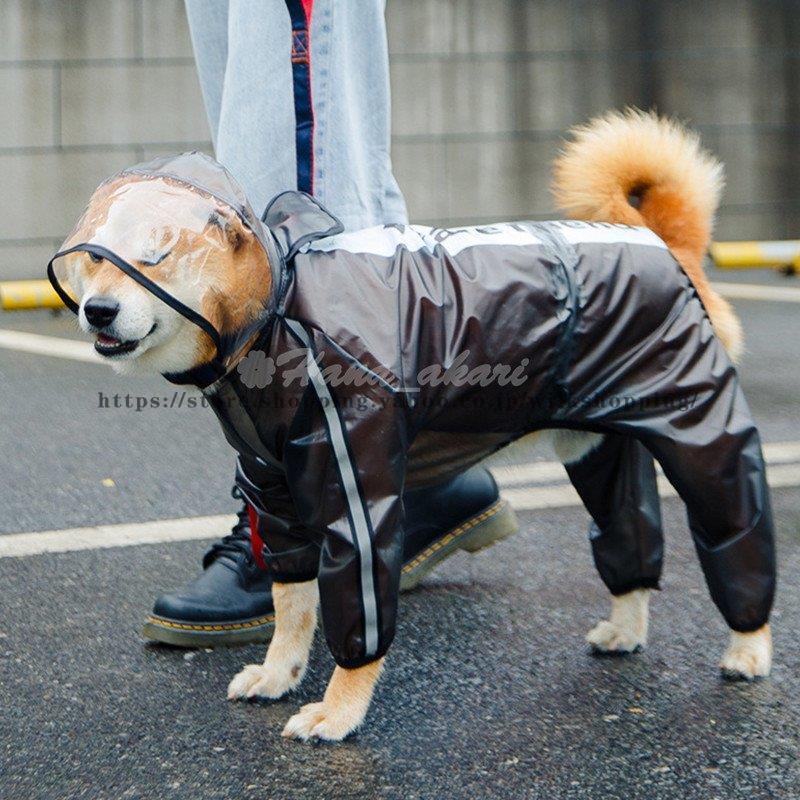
628,168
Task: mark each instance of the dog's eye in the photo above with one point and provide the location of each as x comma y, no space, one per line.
154,260
96,259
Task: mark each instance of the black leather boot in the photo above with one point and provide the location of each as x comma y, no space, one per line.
230,602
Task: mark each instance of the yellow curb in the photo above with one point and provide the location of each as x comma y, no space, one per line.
746,255
18,295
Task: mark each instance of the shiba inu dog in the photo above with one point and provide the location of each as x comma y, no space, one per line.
344,366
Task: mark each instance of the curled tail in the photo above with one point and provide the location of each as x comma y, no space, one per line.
637,168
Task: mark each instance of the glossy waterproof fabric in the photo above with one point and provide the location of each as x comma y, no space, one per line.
346,398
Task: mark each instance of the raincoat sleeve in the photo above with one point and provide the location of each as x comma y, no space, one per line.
346,466
281,543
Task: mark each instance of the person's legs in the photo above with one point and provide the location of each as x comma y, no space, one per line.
256,136
208,26
352,114
285,115
243,56
305,105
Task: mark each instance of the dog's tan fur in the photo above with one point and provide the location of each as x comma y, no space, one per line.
625,631
343,708
230,292
609,163
287,656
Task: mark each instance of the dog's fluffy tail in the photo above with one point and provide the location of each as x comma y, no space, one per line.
637,168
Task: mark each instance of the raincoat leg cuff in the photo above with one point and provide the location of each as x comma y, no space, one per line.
640,583
355,663
292,577
750,626
347,661
292,566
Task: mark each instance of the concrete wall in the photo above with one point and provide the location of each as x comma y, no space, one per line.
483,90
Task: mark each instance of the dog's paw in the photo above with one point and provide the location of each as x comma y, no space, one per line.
626,630
261,681
609,637
749,655
319,721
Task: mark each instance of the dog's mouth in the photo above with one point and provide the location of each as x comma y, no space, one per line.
109,346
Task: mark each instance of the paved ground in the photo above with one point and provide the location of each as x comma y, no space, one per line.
489,692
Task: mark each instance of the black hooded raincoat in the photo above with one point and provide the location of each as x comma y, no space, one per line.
398,355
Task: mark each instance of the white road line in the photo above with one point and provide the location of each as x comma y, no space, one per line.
535,472
527,498
552,471
756,291
16,545
83,351
781,452
39,345
563,495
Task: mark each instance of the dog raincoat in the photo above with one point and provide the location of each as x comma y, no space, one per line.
398,355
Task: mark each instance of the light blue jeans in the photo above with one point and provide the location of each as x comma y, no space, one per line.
244,52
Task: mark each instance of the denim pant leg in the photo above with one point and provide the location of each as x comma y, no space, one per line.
243,50
352,106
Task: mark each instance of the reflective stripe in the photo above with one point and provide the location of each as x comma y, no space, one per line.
578,232
381,240
360,525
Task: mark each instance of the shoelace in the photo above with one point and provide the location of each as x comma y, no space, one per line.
238,540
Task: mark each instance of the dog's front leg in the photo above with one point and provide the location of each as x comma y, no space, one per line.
343,708
287,655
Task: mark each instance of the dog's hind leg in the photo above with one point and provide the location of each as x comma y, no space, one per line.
616,480
710,452
287,655
749,655
723,482
625,631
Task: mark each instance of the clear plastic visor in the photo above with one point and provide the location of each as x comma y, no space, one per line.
150,223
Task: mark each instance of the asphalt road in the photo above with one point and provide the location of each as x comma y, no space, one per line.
489,690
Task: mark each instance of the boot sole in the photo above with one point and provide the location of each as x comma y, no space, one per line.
492,525
208,634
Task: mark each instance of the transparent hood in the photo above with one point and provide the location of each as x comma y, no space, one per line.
167,225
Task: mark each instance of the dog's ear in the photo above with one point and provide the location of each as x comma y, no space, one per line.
231,228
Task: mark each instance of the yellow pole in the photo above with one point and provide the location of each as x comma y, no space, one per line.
746,255
16,295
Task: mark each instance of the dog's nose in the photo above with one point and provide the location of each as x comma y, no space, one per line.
101,311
